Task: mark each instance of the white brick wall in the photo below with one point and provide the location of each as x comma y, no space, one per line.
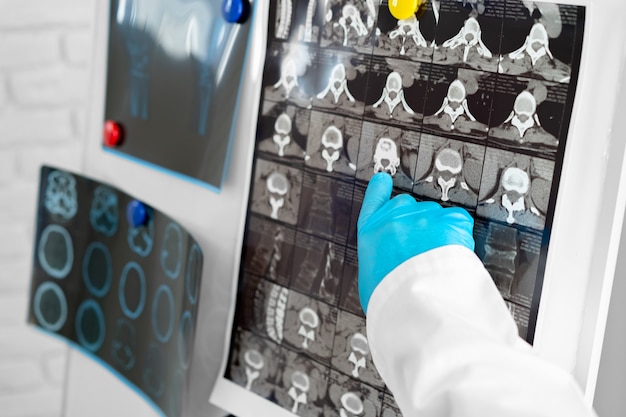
45,56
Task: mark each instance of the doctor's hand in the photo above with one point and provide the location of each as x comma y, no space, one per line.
391,231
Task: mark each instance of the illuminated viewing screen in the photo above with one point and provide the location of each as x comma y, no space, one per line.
468,105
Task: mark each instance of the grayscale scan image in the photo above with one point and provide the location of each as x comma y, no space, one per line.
521,315
349,24
282,133
449,170
346,397
269,249
277,191
265,312
526,115
349,300
512,258
395,91
537,40
470,37
310,326
325,207
97,283
341,78
388,149
466,104
291,74
410,38
458,102
333,144
301,385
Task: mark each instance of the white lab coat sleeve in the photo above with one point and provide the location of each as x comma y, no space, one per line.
446,345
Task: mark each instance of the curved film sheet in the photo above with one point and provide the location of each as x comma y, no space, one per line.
176,393
154,370
98,282
254,363
185,334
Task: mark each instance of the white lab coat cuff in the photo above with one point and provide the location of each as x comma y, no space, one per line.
444,342
456,279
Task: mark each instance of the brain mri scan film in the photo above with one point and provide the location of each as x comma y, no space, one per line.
98,283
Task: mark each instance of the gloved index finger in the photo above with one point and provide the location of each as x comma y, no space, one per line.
377,194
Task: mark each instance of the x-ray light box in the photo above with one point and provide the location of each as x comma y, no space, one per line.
435,120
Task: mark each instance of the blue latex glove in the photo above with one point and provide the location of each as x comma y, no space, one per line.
393,231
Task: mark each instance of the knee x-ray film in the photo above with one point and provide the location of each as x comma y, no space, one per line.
123,292
467,104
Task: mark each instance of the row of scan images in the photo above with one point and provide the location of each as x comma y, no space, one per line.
116,340
499,185
506,36
55,255
512,112
306,356
61,201
127,295
307,260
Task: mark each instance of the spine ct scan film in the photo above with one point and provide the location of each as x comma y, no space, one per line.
468,103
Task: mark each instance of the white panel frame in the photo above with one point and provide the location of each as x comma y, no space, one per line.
583,246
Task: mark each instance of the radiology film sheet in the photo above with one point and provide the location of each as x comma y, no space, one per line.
469,106
174,74
123,293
